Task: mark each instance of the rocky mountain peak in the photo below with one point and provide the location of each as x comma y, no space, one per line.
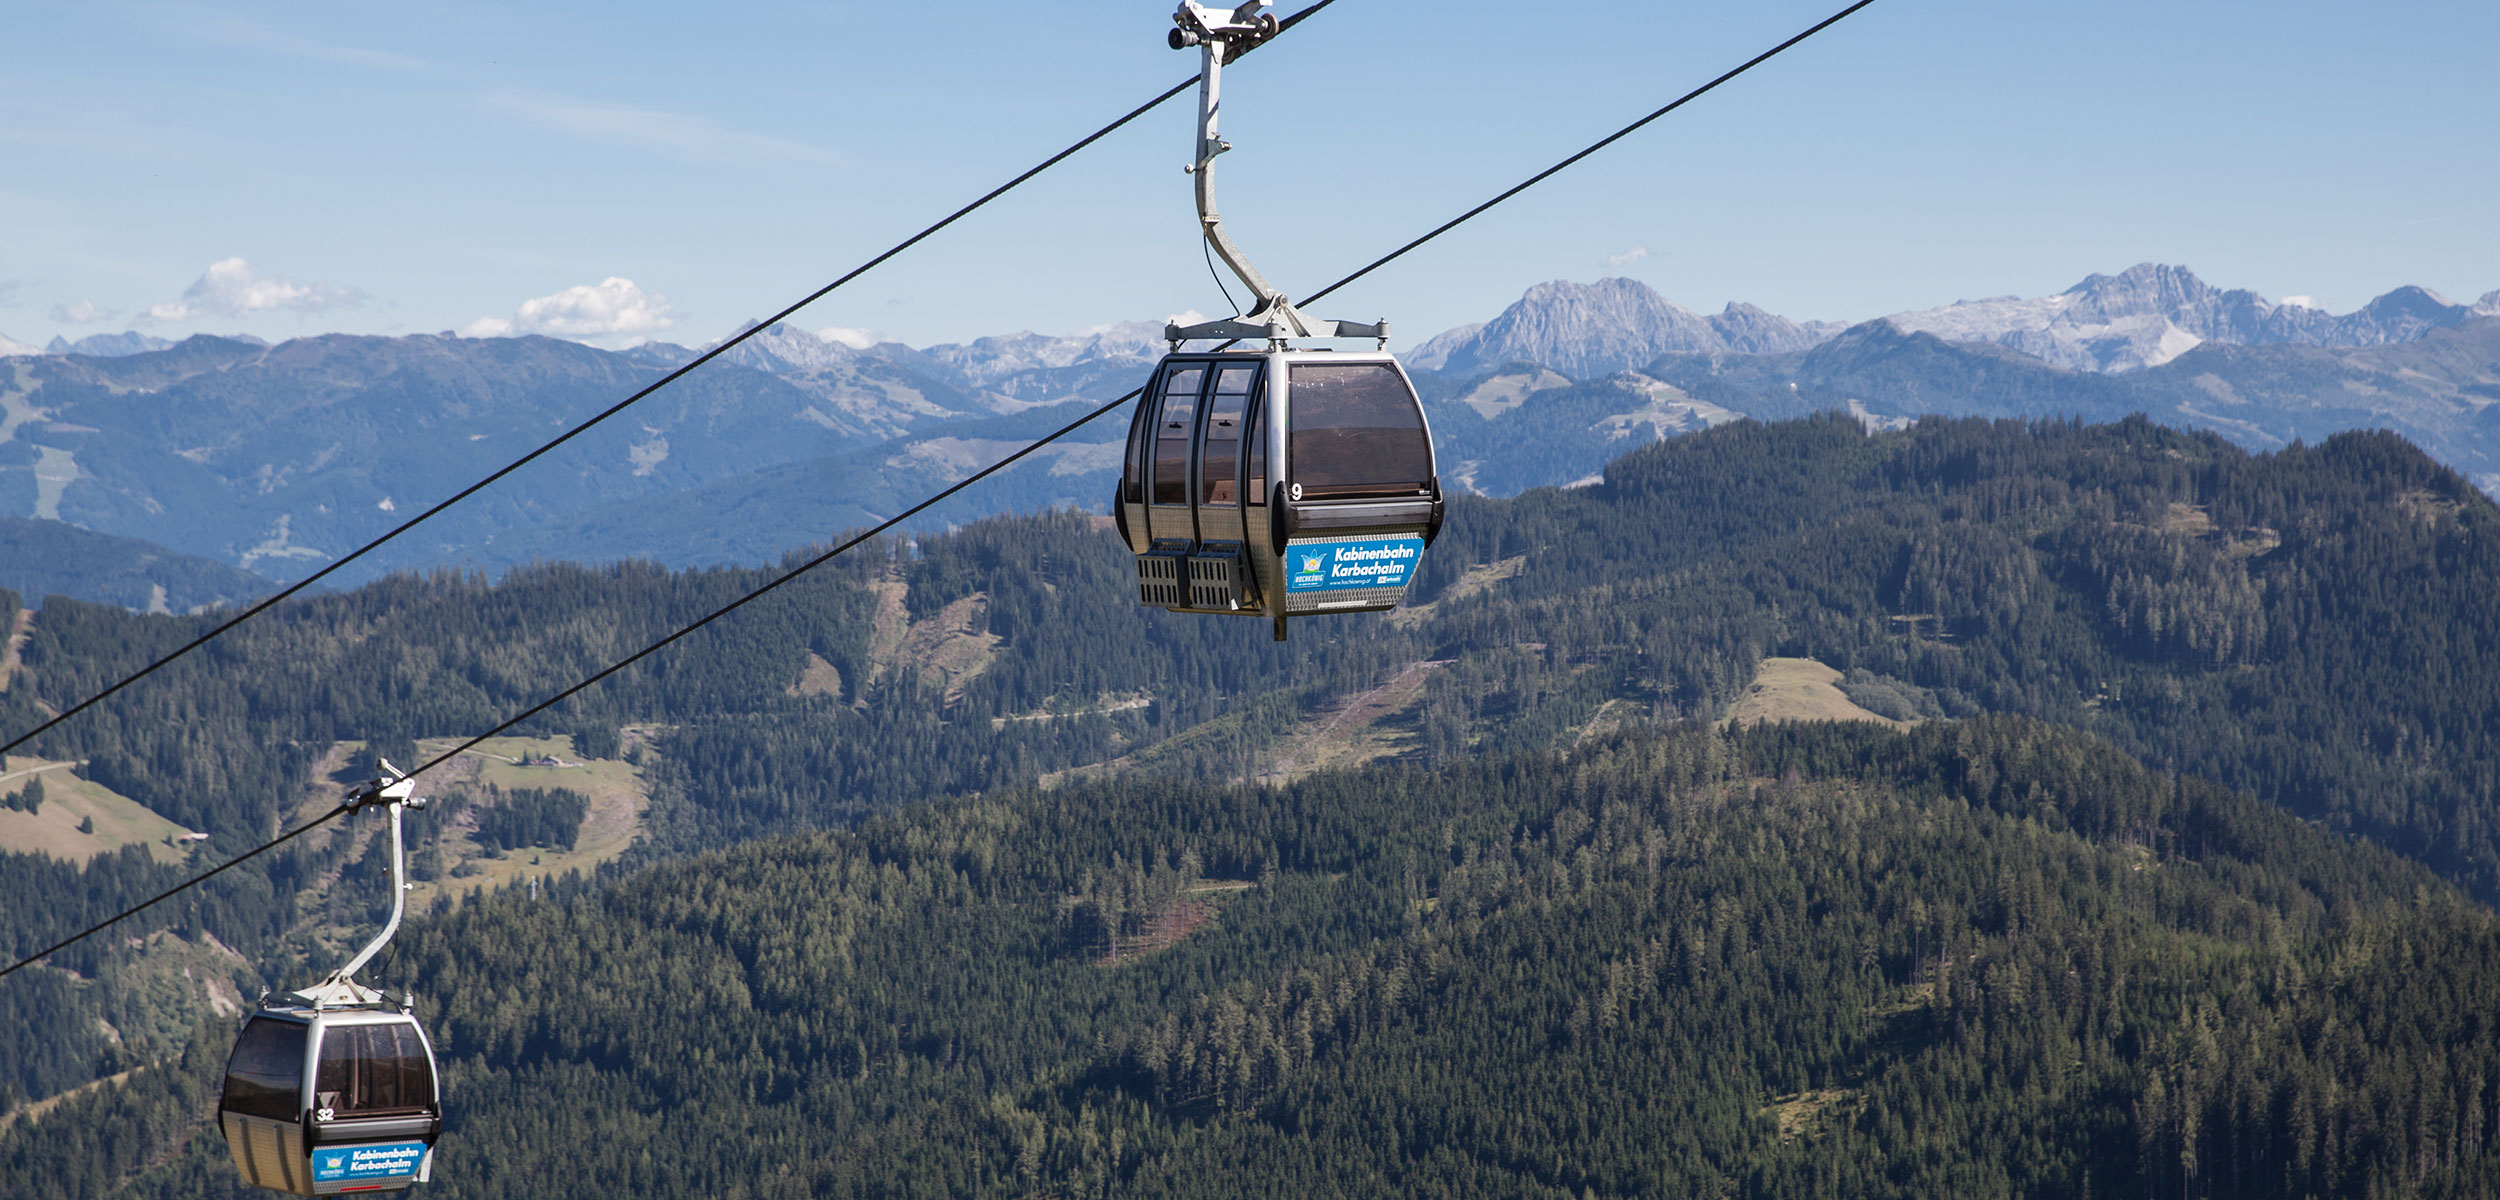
2404,315
1591,330
787,348
1748,329
2144,289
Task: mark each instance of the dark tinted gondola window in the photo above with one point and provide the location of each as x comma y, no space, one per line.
1173,424
1356,430
265,1078
1220,462
373,1070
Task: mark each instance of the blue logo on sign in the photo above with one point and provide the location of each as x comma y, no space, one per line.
331,1164
1370,563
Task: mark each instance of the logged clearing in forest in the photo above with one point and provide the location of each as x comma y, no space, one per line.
1797,689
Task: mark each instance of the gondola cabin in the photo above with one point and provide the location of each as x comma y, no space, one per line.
1278,483
324,1101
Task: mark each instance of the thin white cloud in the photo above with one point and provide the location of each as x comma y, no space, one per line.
2304,302
9,288
615,310
1620,260
231,288
211,28
677,134
84,312
856,339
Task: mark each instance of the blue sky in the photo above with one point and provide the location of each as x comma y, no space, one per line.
291,168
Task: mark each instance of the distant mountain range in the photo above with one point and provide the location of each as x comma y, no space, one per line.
275,459
2150,314
2141,317
2442,392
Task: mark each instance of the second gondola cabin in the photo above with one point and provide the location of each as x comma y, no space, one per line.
1278,483
320,1102
332,1089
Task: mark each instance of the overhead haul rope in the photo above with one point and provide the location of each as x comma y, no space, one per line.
621,405
959,485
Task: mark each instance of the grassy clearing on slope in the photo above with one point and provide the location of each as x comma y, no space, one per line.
68,800
615,790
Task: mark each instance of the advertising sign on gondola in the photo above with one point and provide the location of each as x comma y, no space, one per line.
392,1161
1368,563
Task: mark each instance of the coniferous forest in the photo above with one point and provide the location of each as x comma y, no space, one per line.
2179,886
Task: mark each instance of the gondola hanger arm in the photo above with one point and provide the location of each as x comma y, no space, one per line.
394,790
1222,35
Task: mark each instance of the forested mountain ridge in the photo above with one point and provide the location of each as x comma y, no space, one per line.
1978,957
2312,626
46,558
2122,578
